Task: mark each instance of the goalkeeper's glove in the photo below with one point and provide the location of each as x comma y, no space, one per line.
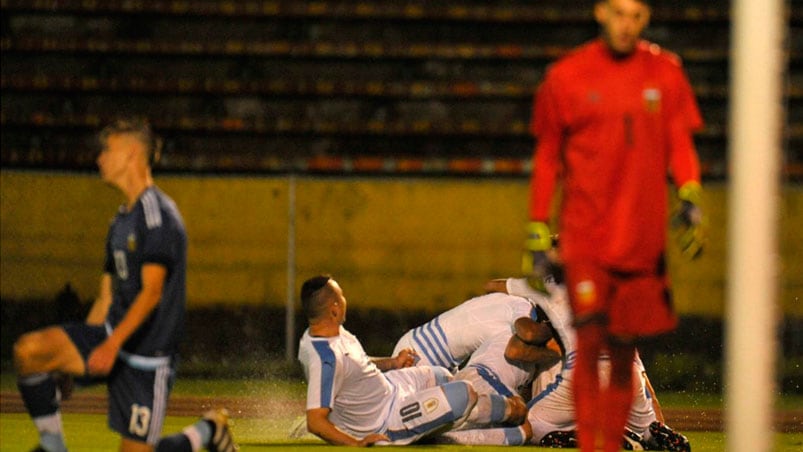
534,261
689,221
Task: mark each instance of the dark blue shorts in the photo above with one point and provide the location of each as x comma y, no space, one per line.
139,386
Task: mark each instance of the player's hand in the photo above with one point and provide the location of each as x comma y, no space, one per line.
102,359
689,221
372,439
534,261
406,358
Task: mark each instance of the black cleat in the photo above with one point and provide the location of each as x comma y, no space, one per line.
667,439
221,441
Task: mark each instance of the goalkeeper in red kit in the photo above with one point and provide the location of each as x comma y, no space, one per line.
613,119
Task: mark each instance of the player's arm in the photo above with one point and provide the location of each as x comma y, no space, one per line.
496,285
528,343
519,351
97,314
319,425
684,165
547,127
406,358
102,358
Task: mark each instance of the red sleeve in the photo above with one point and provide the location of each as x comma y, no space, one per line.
546,126
684,120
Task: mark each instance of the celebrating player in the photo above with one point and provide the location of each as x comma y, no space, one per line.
451,337
359,401
131,335
551,416
613,117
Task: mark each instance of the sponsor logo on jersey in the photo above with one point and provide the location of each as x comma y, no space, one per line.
132,242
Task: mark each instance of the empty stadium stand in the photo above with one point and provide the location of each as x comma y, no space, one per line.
330,86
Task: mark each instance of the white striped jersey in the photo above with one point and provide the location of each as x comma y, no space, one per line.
450,338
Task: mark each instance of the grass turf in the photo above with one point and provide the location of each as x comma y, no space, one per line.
88,432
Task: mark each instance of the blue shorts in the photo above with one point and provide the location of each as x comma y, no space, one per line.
139,386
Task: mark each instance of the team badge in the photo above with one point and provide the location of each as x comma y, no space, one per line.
652,99
430,405
132,243
585,292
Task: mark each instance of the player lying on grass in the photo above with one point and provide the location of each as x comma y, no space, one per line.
497,383
551,412
457,334
491,372
451,337
355,400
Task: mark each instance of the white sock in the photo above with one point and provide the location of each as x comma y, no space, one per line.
51,437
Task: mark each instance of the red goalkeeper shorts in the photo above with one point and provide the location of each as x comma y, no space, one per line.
630,304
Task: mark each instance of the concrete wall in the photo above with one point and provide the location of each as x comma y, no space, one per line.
392,243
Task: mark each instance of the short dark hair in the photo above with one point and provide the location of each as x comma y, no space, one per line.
138,127
312,300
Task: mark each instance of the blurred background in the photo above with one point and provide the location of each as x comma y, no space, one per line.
384,142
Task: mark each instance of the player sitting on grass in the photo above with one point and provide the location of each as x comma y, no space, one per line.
356,400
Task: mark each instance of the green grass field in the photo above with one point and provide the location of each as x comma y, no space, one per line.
88,432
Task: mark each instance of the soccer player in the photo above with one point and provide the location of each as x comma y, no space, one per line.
613,118
356,400
130,337
502,380
451,337
551,415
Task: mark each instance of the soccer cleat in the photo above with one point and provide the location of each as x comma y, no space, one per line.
222,440
668,439
559,439
632,440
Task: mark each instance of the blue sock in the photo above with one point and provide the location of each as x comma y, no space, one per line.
498,405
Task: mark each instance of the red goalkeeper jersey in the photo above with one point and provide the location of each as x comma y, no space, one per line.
614,129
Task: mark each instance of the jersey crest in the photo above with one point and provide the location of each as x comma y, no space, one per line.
131,242
652,99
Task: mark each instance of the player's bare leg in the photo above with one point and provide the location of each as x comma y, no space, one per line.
37,356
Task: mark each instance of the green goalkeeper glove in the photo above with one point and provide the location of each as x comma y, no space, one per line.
689,221
534,261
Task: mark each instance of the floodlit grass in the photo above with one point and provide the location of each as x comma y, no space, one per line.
87,432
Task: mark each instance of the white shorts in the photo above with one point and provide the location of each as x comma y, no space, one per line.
422,408
552,408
